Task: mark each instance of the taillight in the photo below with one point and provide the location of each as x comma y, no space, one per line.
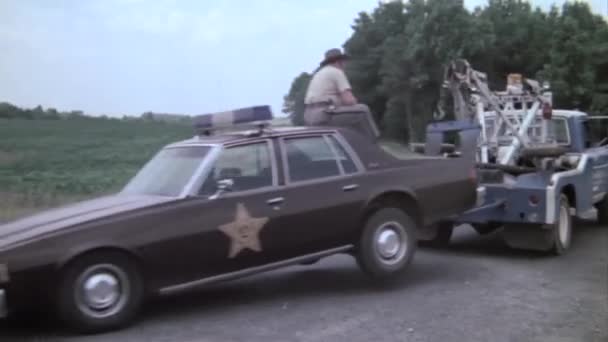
534,200
547,111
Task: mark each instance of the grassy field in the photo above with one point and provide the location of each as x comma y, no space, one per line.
44,163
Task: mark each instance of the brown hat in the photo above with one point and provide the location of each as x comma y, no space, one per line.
333,55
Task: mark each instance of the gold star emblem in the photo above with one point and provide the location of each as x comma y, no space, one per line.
244,231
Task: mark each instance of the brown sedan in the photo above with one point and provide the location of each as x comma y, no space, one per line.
219,207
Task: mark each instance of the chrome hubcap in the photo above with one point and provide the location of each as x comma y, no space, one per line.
391,243
388,243
102,290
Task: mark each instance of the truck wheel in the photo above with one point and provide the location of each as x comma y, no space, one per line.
555,238
387,244
602,211
562,228
100,292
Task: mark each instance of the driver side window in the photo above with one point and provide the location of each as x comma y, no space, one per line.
248,166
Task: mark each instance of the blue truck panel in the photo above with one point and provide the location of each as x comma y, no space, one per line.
533,197
522,201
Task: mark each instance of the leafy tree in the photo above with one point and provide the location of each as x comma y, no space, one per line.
571,67
293,102
399,51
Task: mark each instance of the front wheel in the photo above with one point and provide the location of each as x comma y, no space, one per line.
562,229
387,244
100,292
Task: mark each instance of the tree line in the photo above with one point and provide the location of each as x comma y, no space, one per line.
10,111
399,51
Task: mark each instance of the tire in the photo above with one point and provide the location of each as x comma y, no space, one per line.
109,311
562,228
553,239
602,211
387,243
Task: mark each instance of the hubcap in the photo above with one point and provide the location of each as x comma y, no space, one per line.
102,290
388,243
564,231
391,242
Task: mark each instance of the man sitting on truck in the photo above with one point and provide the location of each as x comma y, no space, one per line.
329,100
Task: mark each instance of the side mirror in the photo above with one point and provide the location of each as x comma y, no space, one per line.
222,185
225,184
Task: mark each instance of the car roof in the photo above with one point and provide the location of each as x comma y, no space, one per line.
241,136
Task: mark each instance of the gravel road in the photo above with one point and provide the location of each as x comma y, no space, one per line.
475,290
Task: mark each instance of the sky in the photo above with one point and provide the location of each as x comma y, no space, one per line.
125,57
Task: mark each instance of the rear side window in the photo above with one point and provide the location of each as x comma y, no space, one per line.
310,158
347,163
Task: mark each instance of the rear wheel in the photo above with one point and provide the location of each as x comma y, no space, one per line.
100,292
387,244
562,229
555,238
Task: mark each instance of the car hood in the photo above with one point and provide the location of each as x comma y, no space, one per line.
55,219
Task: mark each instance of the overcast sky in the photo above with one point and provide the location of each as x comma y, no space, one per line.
120,57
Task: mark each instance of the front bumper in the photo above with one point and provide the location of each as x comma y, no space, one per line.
3,305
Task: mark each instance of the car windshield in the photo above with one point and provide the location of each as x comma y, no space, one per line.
168,172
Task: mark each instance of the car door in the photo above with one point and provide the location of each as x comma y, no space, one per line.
213,234
322,193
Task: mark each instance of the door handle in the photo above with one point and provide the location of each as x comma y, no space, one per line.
275,200
350,187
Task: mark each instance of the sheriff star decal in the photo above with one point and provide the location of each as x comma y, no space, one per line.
244,231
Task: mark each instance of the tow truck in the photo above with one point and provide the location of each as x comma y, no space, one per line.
538,167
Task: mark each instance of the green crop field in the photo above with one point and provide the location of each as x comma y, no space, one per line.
45,163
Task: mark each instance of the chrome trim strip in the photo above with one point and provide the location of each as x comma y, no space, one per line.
335,153
253,270
273,162
3,305
350,151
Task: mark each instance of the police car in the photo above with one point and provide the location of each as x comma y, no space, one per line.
239,198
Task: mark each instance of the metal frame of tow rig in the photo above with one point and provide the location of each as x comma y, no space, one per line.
522,167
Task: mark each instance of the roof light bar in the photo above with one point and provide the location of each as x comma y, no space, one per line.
255,116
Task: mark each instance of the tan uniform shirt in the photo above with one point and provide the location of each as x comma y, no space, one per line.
327,84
